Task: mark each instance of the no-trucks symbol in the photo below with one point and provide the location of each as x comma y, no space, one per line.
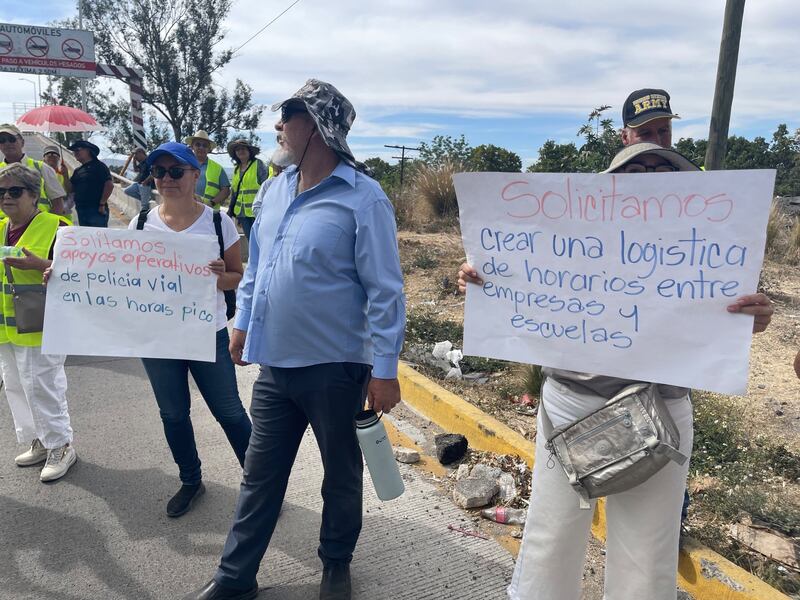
72,49
6,45
37,46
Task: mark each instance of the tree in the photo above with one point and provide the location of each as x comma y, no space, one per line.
175,44
444,148
384,173
695,150
488,157
601,142
556,158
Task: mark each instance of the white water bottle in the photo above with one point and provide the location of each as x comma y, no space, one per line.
378,453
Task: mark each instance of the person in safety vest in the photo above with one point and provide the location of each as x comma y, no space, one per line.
248,175
213,186
51,192
35,383
52,157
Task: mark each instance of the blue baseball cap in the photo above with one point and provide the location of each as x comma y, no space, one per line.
180,152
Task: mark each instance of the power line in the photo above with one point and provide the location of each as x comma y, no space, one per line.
257,33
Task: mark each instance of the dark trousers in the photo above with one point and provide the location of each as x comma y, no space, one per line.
247,225
285,401
217,384
89,216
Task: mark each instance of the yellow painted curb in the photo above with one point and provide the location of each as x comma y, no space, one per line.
703,573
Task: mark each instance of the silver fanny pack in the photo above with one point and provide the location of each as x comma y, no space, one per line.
617,447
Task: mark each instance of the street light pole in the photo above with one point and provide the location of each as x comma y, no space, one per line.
35,94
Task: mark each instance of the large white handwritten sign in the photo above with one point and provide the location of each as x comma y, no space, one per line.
621,275
117,292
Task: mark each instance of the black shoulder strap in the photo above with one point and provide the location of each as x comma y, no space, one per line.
218,229
142,218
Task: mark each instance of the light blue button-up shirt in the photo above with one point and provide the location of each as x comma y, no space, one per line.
323,281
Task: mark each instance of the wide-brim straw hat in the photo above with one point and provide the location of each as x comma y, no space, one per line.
233,144
200,134
628,153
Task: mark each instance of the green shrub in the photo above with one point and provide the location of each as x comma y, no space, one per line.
532,378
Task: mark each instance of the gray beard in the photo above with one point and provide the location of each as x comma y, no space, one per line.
283,157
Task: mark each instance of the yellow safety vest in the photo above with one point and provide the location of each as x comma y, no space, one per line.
246,193
213,174
38,238
44,203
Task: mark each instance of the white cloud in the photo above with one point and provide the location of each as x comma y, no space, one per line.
508,58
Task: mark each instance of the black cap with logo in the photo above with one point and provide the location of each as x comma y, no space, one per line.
645,105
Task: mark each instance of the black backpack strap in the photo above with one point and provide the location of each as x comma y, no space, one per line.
218,229
142,218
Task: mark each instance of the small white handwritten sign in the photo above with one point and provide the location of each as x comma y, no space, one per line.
116,292
623,275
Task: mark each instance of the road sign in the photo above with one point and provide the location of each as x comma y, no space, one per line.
47,50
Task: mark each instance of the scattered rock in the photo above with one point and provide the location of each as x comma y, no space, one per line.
406,455
761,386
463,472
482,471
450,447
779,412
473,492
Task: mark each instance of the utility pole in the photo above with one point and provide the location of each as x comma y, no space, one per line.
726,78
403,158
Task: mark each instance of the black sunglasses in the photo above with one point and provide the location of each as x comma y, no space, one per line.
174,172
289,110
7,139
15,192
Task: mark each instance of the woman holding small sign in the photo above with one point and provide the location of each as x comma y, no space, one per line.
176,170
35,383
586,420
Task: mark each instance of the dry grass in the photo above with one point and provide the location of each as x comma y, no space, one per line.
783,236
434,192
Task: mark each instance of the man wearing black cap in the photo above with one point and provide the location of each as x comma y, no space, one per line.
91,183
321,308
647,117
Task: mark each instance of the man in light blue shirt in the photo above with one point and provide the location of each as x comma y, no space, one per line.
321,308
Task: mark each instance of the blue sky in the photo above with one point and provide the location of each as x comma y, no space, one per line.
511,72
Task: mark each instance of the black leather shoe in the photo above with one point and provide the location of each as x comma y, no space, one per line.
214,591
182,502
335,582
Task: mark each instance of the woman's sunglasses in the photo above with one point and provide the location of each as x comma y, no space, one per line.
15,192
7,139
174,172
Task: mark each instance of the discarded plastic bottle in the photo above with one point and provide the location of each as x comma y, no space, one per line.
506,516
12,251
378,453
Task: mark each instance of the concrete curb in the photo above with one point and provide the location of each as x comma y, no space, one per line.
703,573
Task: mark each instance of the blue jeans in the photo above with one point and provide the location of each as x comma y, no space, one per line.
142,193
89,216
217,384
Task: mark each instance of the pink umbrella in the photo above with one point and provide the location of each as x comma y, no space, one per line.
47,119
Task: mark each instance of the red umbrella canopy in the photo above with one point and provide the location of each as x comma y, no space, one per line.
46,119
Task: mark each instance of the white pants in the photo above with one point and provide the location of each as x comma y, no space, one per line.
36,388
643,523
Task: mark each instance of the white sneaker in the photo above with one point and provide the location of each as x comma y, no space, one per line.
36,454
59,460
